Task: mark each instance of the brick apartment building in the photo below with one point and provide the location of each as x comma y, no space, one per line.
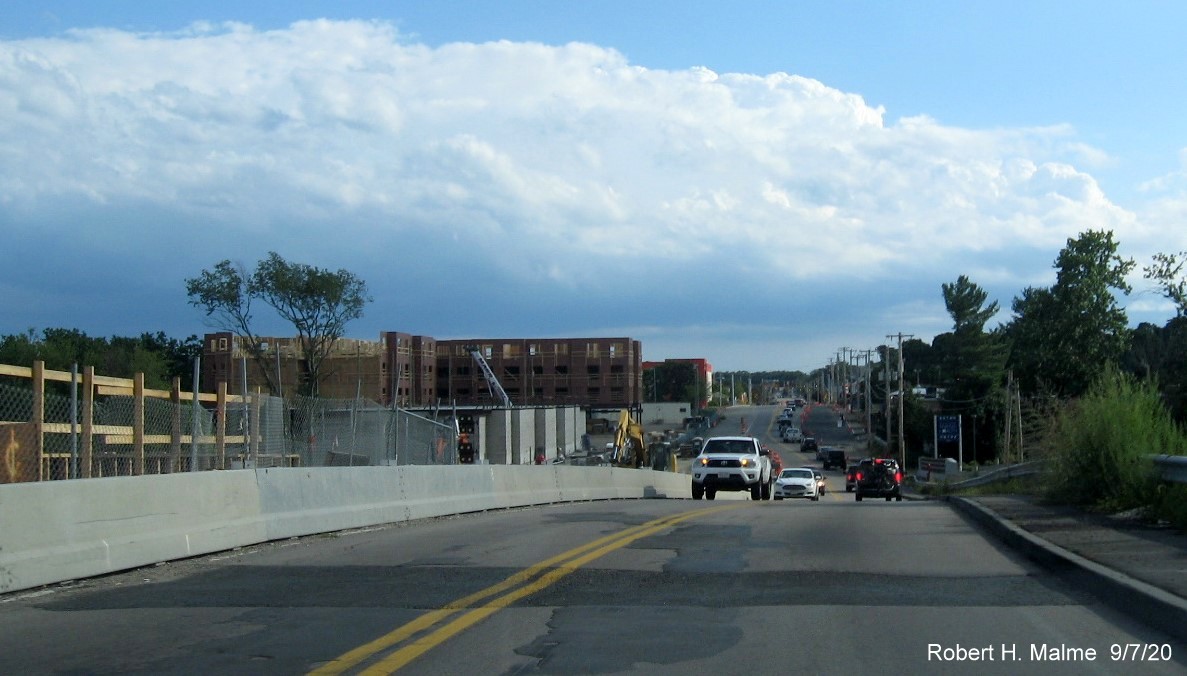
420,371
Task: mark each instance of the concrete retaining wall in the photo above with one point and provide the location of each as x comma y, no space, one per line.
62,530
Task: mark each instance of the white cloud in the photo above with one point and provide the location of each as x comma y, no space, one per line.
341,143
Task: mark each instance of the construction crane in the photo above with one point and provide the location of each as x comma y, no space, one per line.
492,383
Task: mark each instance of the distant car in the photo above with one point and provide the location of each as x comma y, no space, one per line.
851,478
690,448
792,435
823,451
809,445
797,482
833,457
821,481
879,478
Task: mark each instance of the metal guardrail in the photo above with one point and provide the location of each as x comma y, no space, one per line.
1172,468
1003,474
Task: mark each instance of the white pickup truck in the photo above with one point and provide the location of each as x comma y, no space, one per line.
732,464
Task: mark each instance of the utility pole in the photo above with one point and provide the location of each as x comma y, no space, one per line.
886,384
843,373
869,401
902,449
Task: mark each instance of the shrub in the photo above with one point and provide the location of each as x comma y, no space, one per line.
1103,440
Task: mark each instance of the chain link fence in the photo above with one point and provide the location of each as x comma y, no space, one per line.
259,431
334,432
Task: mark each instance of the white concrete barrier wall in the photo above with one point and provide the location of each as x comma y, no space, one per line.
62,530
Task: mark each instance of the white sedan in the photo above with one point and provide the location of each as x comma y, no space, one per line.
796,482
793,435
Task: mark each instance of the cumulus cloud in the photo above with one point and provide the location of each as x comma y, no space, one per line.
343,144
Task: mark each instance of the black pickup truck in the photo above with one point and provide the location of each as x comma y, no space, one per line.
879,478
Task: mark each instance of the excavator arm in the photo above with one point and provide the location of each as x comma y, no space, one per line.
630,449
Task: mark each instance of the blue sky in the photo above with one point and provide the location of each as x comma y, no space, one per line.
755,183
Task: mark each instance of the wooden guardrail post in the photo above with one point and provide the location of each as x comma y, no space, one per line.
138,424
37,417
175,427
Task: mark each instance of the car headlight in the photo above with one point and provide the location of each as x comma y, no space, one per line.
746,462
704,461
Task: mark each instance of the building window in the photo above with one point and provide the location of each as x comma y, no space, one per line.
222,344
615,348
532,349
616,368
593,369
562,369
538,370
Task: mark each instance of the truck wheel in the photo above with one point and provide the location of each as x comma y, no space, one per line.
858,496
710,493
697,491
766,491
888,498
756,492
898,498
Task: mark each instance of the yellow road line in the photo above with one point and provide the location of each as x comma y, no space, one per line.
557,567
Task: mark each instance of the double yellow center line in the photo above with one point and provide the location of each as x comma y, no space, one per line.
440,627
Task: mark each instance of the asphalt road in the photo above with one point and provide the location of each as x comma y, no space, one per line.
636,586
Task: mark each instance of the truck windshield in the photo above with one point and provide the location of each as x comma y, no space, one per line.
728,446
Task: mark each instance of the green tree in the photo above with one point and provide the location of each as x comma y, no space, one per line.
319,303
1167,271
965,302
224,293
974,362
1064,335
1155,354
19,349
671,381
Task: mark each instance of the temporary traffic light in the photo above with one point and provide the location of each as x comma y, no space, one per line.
465,447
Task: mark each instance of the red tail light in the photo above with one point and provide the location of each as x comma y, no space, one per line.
898,477
857,475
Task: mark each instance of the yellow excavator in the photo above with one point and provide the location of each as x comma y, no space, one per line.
630,449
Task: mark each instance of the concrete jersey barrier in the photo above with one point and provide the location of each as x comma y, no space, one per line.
62,530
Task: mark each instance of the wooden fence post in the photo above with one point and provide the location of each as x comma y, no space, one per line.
175,431
37,417
138,424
